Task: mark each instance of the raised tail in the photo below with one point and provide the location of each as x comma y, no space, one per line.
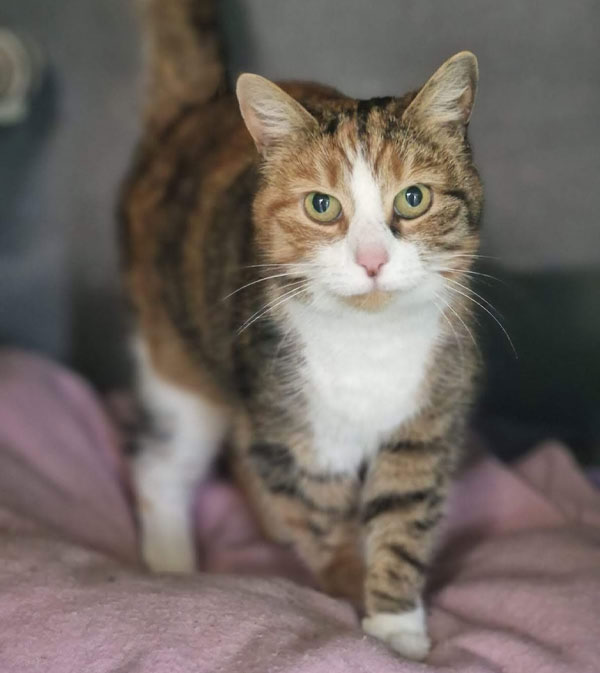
183,54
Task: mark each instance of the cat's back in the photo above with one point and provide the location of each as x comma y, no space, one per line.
186,223
179,163
188,163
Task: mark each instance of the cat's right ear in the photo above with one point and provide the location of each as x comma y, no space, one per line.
269,113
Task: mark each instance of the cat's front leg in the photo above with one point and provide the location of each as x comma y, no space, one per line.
314,511
402,505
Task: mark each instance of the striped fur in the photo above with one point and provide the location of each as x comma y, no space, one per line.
204,214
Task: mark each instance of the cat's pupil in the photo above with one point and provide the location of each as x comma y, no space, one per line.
414,196
320,203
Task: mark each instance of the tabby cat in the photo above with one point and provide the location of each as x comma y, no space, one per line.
295,273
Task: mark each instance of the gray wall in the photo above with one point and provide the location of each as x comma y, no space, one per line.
535,130
536,125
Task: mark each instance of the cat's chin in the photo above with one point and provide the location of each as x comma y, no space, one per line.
372,301
406,297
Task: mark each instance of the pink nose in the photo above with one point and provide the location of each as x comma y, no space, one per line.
372,258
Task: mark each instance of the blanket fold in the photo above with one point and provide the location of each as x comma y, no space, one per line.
515,588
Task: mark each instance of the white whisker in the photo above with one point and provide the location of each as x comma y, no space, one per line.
273,304
297,265
472,291
468,272
259,280
463,323
282,341
453,255
464,294
443,314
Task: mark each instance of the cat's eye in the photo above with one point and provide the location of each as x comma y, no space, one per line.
412,201
322,207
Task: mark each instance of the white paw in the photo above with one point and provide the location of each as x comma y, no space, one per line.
405,632
164,515
414,646
166,533
164,552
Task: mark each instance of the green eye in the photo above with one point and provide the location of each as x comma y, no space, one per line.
322,207
412,201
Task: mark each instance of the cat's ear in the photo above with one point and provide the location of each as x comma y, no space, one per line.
269,113
448,96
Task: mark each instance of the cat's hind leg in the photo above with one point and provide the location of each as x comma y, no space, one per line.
183,433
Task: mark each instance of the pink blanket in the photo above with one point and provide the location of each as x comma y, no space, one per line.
516,587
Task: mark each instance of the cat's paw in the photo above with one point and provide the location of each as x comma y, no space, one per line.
166,536
166,556
167,542
406,632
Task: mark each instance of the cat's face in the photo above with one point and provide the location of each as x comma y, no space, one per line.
367,200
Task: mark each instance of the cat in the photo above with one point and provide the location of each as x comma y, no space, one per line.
294,261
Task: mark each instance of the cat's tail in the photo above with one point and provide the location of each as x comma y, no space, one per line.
182,54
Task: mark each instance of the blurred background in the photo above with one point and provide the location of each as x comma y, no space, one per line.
535,130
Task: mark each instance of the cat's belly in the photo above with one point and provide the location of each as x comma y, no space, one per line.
361,386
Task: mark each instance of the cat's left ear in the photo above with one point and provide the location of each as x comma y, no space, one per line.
269,113
447,97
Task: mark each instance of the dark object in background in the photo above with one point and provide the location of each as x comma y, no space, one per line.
33,300
552,389
21,66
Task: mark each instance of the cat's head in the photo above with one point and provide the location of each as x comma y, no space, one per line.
366,199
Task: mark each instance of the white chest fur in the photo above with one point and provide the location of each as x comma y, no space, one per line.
363,374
